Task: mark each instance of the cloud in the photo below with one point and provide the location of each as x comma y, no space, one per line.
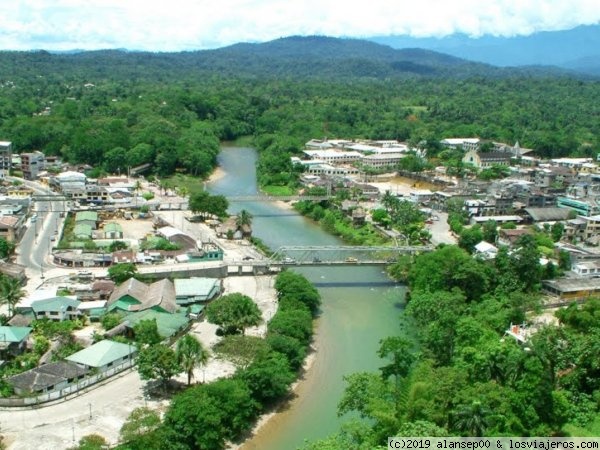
197,24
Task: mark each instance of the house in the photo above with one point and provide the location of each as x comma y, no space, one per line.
485,250
56,309
87,218
113,230
176,236
510,237
93,309
193,290
46,378
133,295
104,355
13,340
82,231
587,268
12,227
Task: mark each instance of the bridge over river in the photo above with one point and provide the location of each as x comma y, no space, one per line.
314,255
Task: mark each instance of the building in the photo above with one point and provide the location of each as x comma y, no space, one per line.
104,355
466,144
587,268
68,182
193,290
484,160
113,230
334,156
87,218
56,309
12,227
582,206
133,295
382,161
573,288
13,340
32,164
47,378
5,158
168,325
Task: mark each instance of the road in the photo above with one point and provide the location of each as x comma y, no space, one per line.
35,245
62,424
440,230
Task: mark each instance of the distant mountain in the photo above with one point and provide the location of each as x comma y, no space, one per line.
575,49
291,57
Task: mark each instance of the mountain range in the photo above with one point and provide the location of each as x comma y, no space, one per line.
338,58
575,49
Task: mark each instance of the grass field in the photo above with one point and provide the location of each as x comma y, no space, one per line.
591,430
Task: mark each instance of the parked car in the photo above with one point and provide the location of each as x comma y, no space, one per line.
351,259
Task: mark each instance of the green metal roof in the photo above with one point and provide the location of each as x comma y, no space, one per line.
168,324
102,353
59,304
82,229
200,288
196,309
14,334
123,303
86,215
112,227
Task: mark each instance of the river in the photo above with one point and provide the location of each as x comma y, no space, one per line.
352,322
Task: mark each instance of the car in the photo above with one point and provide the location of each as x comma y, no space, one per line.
34,218
52,238
288,260
351,259
316,259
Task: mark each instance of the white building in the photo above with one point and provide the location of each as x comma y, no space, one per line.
465,143
5,158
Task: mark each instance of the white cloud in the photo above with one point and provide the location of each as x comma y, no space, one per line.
196,24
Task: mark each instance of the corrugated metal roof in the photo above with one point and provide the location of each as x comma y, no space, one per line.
102,353
86,215
55,304
13,334
167,324
195,287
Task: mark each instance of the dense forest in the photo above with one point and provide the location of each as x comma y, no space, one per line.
114,110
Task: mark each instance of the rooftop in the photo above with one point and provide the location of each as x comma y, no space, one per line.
60,304
86,215
14,334
102,353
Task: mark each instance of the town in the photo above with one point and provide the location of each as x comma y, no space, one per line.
79,243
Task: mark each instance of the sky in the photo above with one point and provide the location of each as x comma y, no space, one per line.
176,25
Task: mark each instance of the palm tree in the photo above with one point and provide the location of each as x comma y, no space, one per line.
472,419
190,353
136,188
243,220
10,292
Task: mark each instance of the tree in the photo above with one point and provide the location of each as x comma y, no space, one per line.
471,419
244,221
158,362
146,332
6,248
11,292
269,377
121,272
205,416
234,313
295,286
190,354
92,442
137,431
